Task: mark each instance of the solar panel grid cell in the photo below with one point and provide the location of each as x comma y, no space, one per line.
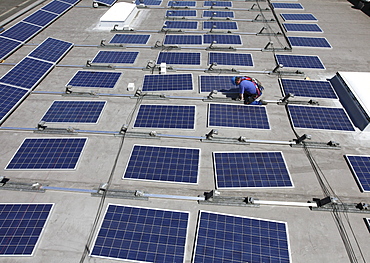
180,24
129,39
220,25
298,61
118,57
21,31
360,167
72,2
41,18
168,82
51,50
148,2
218,14
57,7
308,88
183,40
8,46
219,83
181,3
179,58
95,79
302,27
230,59
9,97
218,3
106,2
182,13
222,39
298,17
309,42
287,5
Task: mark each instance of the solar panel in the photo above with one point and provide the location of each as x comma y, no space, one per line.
72,2
47,154
95,79
129,39
220,25
309,42
168,82
181,13
225,115
298,17
148,2
310,117
218,14
7,47
21,31
118,57
308,88
142,234
41,18
222,39
51,50
219,83
181,3
302,27
180,58
9,97
181,24
74,111
360,167
183,40
21,226
106,2
230,59
27,73
287,6
165,116
237,239
165,164
297,61
367,222
57,7
218,3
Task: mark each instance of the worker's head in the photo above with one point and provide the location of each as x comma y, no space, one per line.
236,80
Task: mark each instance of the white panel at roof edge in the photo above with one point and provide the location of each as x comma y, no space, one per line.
119,15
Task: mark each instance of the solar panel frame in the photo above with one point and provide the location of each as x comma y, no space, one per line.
360,168
228,115
129,39
166,116
10,97
166,230
57,7
115,57
27,73
8,46
287,6
222,39
226,25
180,24
219,83
179,58
95,79
311,42
27,222
183,40
300,61
299,17
74,111
218,3
41,18
320,118
51,50
106,2
235,59
163,164
148,2
225,14
37,154
181,3
21,31
308,88
222,237
167,82
181,13
309,28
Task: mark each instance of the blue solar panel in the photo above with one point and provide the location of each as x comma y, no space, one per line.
166,164
165,116
218,14
21,226
222,39
95,79
224,115
287,5
47,153
21,31
219,83
142,234
57,7
229,238
129,39
181,24
181,3
148,2
308,88
296,61
251,169
27,73
9,97
51,50
118,57
218,3
302,27
181,13
230,59
183,40
220,25
310,117
72,2
7,47
179,58
168,82
360,167
309,42
74,111
41,18
298,17
106,2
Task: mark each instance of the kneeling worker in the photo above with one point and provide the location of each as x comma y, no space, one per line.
249,90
